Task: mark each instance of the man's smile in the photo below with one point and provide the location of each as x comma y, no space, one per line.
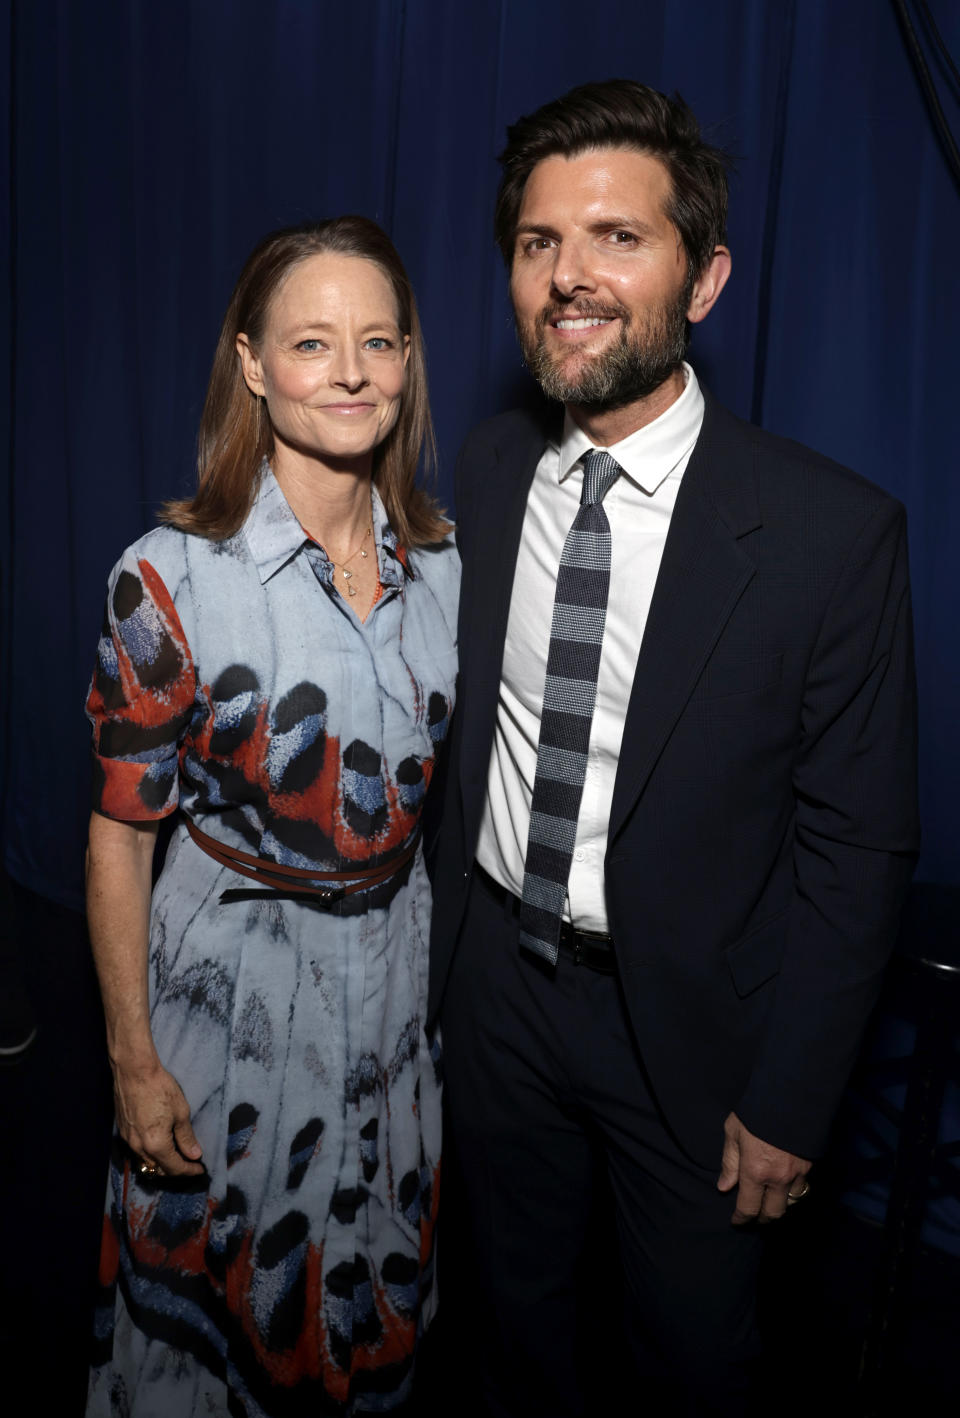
584,323
578,326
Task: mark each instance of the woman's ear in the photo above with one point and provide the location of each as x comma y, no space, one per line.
250,364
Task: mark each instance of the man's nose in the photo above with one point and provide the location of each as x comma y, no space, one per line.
571,270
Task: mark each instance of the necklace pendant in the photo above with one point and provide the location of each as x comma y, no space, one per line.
347,575
363,553
352,590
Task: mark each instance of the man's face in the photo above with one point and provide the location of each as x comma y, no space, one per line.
599,282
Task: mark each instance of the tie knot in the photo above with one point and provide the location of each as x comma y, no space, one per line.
600,472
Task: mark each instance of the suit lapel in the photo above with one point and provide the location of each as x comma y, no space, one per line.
703,573
485,630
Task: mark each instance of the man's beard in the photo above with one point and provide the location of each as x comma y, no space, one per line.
631,368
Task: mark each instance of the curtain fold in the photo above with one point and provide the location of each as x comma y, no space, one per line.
151,146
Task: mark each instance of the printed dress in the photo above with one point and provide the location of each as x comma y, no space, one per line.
233,681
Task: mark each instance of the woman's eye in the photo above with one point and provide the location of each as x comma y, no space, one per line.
378,342
309,346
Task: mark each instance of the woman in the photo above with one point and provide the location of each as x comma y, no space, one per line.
278,661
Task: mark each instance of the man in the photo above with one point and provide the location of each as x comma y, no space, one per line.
681,812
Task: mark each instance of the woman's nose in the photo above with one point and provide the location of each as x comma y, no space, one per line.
348,371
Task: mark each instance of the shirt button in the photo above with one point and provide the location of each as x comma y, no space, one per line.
579,854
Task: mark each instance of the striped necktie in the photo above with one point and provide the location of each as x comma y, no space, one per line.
573,660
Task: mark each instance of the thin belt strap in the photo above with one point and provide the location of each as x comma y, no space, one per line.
296,880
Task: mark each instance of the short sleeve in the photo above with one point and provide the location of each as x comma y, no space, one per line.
141,696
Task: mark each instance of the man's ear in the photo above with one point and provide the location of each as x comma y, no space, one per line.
250,364
708,285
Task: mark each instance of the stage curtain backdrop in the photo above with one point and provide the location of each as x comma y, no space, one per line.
151,145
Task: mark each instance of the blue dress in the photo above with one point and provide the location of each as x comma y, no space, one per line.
234,683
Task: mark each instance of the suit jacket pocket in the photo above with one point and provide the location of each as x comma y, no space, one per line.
755,958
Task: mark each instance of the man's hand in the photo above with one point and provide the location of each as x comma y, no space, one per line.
766,1176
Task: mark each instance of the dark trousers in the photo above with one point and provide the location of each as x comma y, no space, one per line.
546,1092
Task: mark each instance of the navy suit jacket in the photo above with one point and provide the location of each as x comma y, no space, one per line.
764,824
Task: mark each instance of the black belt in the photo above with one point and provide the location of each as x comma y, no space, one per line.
588,948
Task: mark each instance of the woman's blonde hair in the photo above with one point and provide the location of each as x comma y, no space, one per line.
234,439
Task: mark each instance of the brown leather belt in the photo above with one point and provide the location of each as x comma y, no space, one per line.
588,948
296,882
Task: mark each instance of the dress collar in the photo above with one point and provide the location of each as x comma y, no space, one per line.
274,535
649,455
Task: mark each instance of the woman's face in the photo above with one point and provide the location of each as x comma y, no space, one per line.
332,360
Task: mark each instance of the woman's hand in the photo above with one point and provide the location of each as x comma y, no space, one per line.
153,1118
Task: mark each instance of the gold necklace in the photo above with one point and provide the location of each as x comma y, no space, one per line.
359,551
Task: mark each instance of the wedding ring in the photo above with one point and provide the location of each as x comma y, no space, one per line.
146,1169
800,1195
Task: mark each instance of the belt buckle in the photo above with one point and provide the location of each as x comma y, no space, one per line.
330,895
583,942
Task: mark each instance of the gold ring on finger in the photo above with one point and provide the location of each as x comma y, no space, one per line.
799,1195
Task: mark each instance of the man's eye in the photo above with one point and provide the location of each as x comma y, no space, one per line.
537,243
622,238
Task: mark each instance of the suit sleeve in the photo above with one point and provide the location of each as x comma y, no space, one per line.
855,842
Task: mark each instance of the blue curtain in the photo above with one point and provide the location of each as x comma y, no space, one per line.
151,145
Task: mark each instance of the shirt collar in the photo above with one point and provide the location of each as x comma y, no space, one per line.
649,455
274,535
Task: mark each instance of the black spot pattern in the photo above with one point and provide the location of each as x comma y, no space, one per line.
302,1150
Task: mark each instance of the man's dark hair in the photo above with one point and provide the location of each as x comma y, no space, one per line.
620,113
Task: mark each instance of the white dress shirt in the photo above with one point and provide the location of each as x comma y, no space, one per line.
639,506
